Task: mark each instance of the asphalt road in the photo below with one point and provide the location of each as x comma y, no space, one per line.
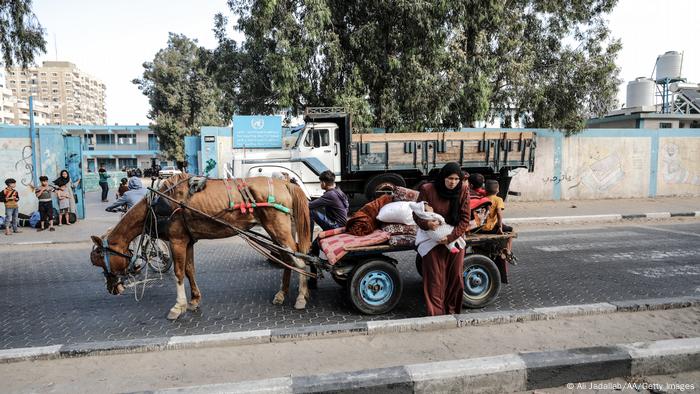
52,295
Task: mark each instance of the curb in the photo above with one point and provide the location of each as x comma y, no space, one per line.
505,373
601,218
348,329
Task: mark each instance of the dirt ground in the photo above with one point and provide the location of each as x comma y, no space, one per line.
178,368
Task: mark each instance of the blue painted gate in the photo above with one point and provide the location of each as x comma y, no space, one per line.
193,146
74,158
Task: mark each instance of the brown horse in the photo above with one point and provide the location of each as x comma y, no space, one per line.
111,251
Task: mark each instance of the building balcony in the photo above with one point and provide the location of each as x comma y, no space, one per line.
121,147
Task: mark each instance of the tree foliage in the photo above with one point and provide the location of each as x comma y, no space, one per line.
182,93
416,64
21,34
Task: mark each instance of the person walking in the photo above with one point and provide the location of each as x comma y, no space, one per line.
448,195
104,183
64,178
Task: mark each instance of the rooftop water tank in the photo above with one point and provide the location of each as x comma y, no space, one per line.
668,66
640,92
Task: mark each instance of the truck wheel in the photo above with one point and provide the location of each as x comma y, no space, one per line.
482,281
375,287
419,264
383,184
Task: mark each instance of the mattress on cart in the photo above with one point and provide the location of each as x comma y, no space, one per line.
334,246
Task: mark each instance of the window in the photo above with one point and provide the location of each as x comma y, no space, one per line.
54,83
153,142
665,125
104,139
54,74
43,74
128,163
127,139
67,75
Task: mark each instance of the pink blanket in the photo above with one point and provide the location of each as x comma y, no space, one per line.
334,246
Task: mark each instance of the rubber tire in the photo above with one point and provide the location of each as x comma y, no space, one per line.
353,289
419,265
168,262
382,179
494,277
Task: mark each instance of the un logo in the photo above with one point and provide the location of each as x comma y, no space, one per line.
257,123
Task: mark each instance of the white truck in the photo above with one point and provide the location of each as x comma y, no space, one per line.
372,164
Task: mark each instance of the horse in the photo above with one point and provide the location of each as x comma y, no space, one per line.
217,198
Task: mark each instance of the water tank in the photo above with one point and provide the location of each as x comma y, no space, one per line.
668,66
640,92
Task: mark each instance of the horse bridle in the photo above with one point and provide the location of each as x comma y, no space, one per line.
106,253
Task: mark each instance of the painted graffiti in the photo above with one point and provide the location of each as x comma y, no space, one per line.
24,164
557,179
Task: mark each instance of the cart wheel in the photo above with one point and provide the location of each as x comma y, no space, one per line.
157,253
375,287
419,265
482,281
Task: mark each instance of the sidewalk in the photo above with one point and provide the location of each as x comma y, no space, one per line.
318,361
640,206
96,222
539,212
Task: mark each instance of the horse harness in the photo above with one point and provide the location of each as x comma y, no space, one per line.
249,204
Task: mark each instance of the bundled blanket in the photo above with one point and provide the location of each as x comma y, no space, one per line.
364,221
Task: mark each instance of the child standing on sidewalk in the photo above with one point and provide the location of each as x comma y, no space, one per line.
11,198
43,193
63,204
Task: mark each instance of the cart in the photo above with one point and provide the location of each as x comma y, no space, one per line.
373,285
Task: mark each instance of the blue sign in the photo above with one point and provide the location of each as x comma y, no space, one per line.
257,131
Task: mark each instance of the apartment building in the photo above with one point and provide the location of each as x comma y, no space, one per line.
72,96
16,111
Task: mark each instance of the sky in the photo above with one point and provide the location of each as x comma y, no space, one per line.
112,39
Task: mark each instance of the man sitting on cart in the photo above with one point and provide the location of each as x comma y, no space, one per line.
331,209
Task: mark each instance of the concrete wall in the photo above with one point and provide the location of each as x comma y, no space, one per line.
612,163
17,155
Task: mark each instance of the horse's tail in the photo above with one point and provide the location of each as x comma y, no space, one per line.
300,210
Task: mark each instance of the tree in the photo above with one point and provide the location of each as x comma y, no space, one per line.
21,34
419,64
183,96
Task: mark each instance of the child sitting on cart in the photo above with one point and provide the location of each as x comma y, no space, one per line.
494,220
442,229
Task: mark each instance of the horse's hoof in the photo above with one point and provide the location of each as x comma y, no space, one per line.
175,312
192,307
279,298
300,304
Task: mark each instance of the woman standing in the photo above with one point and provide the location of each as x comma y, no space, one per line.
104,183
65,179
448,195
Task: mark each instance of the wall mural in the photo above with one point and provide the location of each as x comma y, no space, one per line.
675,171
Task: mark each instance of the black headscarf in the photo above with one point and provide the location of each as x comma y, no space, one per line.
60,181
450,194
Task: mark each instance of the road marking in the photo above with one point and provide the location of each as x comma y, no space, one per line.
655,255
669,230
603,233
592,245
667,272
